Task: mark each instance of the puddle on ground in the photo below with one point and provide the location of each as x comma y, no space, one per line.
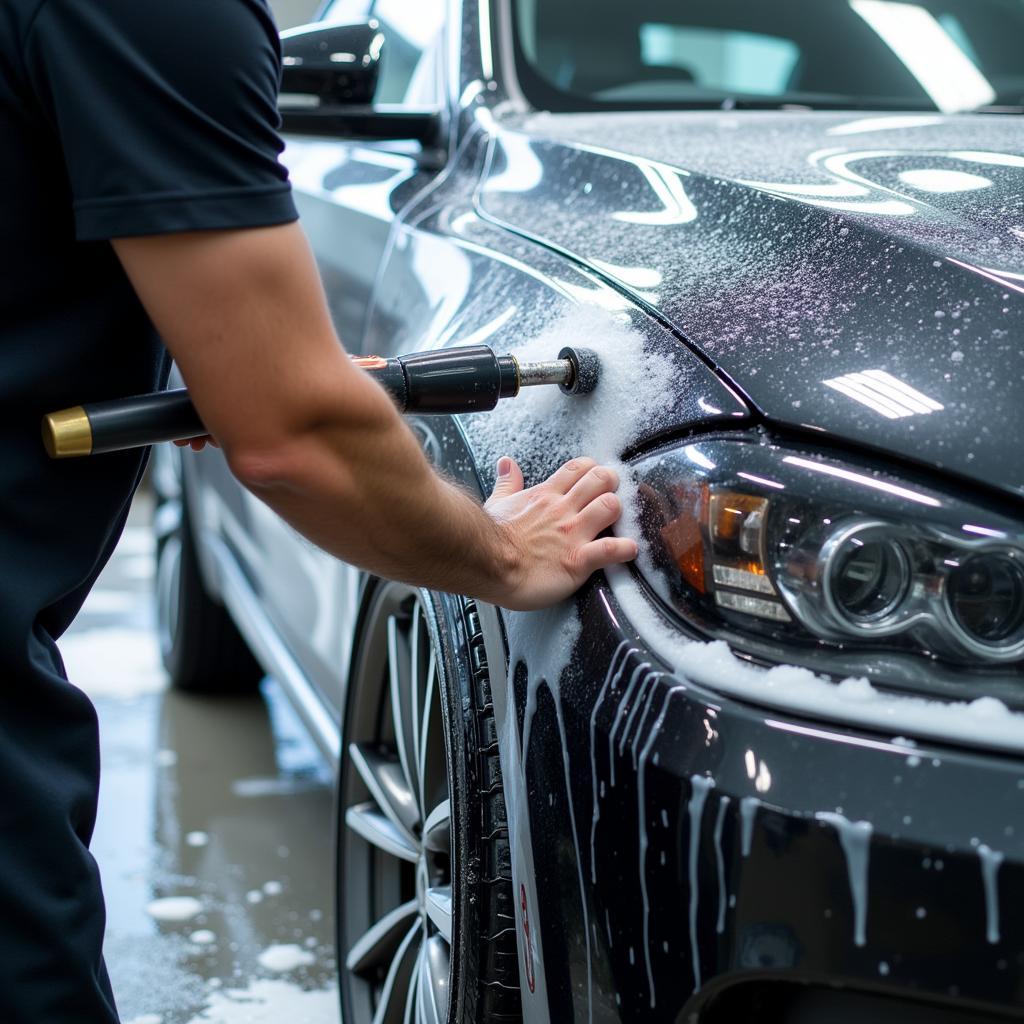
215,835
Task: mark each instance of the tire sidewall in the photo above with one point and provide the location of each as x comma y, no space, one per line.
448,634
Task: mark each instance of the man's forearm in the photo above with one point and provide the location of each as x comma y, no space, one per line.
364,492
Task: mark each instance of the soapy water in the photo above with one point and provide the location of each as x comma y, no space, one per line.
269,1001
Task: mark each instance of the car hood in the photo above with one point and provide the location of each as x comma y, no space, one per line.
858,277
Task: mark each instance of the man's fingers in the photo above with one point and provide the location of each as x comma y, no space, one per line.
510,478
563,479
606,551
601,513
596,481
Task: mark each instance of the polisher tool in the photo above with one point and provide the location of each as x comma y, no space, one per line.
457,380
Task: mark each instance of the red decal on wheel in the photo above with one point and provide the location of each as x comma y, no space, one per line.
531,980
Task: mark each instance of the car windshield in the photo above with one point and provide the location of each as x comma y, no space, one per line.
947,55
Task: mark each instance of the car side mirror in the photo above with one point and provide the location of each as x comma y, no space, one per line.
334,64
329,78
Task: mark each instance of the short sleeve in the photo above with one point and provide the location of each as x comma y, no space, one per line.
165,111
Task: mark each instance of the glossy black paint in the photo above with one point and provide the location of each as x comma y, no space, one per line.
788,252
791,251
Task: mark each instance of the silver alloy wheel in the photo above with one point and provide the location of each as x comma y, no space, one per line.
396,893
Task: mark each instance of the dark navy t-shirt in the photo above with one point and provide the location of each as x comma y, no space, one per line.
117,118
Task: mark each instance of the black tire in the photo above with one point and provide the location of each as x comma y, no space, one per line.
201,648
374,883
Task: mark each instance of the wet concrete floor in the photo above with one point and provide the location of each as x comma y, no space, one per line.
215,832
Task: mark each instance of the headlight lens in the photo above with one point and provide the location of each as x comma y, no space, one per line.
986,595
796,556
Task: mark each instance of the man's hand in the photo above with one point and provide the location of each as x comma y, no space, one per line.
553,530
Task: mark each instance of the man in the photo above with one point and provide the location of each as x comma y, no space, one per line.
141,193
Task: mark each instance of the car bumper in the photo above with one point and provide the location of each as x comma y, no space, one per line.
723,854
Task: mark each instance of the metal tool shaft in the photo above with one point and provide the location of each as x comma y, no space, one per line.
556,371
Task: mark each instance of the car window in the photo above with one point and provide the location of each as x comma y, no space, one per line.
346,12
721,59
947,55
412,34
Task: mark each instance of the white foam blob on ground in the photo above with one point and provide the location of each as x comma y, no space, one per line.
135,671
203,937
197,839
166,758
273,888
270,1001
285,957
174,908
254,896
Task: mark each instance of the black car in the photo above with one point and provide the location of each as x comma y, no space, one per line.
773,772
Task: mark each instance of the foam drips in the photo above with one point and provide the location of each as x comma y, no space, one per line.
642,829
990,863
701,786
855,839
723,806
748,811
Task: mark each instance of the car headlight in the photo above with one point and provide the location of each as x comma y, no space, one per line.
796,556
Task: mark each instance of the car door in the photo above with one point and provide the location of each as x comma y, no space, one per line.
348,195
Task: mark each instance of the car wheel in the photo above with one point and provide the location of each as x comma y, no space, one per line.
201,648
426,923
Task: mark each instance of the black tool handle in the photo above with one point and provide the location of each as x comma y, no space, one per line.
457,380
460,380
146,419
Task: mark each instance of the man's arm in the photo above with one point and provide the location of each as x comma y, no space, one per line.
244,315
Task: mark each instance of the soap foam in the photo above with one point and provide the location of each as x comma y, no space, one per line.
285,957
174,908
542,425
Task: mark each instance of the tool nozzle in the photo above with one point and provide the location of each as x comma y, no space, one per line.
576,371
586,370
